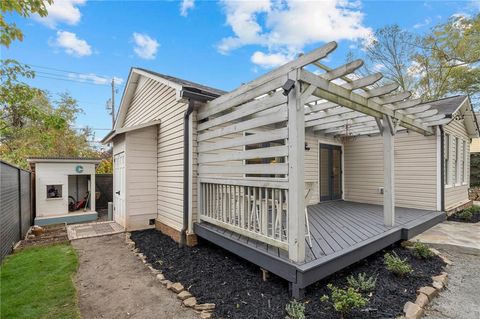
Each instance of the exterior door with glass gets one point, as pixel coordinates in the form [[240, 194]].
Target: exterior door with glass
[[330, 169]]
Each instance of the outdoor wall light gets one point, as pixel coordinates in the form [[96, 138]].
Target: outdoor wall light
[[288, 86], [307, 148]]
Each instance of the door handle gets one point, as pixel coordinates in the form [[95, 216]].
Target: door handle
[[118, 192]]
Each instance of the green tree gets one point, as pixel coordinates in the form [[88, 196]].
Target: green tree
[[445, 61], [50, 134], [9, 31]]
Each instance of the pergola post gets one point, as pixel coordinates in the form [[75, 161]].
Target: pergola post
[[388, 133], [296, 181]]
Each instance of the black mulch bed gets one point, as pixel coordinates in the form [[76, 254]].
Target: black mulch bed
[[212, 274], [455, 218]]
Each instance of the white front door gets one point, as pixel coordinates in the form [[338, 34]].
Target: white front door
[[119, 188]]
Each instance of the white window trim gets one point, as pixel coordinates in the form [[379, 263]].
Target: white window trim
[[54, 198], [448, 161], [457, 162], [465, 162]]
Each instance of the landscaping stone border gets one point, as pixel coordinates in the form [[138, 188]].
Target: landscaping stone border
[[425, 295], [188, 300]]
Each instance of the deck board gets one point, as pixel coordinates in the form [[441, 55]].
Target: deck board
[[342, 233]]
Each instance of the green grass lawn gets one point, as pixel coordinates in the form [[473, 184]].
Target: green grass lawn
[[37, 283]]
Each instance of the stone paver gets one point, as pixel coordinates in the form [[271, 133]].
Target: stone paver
[[96, 229], [452, 233]]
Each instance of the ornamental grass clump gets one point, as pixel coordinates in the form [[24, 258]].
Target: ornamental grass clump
[[295, 310], [344, 301], [421, 251], [397, 265], [362, 282]]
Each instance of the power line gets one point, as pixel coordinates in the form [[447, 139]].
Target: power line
[[66, 71], [67, 79], [74, 80], [103, 77]]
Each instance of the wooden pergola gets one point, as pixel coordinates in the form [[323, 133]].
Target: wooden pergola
[[282, 105]]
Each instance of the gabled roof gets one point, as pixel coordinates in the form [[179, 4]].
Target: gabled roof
[[184, 89], [450, 106], [187, 84]]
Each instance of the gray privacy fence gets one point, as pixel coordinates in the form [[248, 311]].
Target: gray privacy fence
[[104, 185], [15, 206]]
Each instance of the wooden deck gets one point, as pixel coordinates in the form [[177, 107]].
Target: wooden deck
[[342, 233]]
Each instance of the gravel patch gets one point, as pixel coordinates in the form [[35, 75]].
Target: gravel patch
[[460, 299]]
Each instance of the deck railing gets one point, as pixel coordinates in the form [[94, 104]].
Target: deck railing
[[256, 212]]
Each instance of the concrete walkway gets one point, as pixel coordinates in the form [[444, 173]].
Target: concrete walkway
[[452, 233], [113, 283]]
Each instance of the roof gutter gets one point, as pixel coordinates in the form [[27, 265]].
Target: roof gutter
[[192, 96], [442, 168]]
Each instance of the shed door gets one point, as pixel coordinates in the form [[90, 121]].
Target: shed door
[[119, 188]]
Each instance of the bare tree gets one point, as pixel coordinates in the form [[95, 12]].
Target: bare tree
[[390, 52]]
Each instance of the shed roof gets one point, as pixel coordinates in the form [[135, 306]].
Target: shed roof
[[56, 159]]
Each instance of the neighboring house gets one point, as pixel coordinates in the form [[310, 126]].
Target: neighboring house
[[475, 144], [232, 167]]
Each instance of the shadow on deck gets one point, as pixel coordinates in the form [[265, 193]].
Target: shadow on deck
[[342, 234]]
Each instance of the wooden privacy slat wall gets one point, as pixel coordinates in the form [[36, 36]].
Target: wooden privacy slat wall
[[279, 115], [249, 198], [272, 135]]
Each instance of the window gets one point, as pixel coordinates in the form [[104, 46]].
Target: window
[[456, 167], [446, 156], [54, 191], [465, 162], [453, 157]]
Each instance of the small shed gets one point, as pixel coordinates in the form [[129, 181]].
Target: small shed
[[64, 189]]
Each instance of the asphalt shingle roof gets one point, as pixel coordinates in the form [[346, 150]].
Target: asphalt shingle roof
[[447, 105], [187, 84]]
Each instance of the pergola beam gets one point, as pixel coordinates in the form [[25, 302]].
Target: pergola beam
[[355, 120], [341, 71], [239, 95], [332, 119], [337, 94], [319, 107]]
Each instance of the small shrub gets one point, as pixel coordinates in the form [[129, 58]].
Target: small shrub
[[466, 214], [362, 282], [295, 310], [345, 300], [421, 251], [396, 265]]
